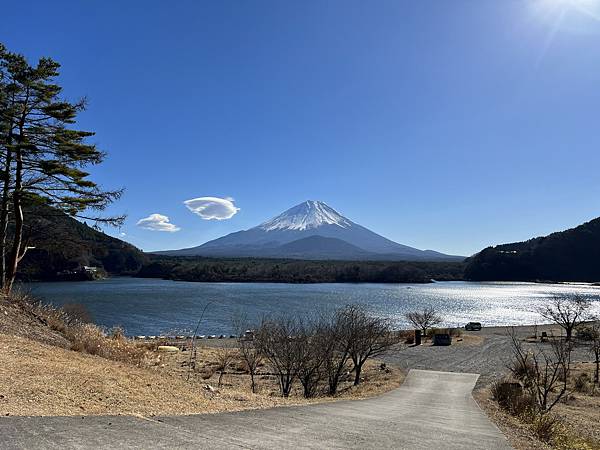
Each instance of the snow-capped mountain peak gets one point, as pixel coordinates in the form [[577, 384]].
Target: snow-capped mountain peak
[[310, 230], [305, 216]]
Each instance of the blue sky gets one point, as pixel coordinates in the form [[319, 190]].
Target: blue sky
[[449, 125]]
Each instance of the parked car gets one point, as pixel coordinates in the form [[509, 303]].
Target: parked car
[[473, 326]]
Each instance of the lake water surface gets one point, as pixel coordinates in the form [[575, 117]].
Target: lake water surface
[[152, 306]]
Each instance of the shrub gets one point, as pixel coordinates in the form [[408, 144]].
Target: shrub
[[76, 313], [512, 398], [545, 427], [117, 333], [583, 383], [553, 431], [91, 339], [586, 333], [522, 369], [207, 373], [455, 332]]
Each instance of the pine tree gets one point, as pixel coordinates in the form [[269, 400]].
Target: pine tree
[[43, 157]]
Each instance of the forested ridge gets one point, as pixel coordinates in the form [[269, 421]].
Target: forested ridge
[[571, 255], [61, 243], [298, 271]]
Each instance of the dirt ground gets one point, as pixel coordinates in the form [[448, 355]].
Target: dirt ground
[[40, 379], [486, 352]]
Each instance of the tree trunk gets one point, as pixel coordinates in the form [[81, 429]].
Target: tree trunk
[[252, 382], [4, 205], [4, 209], [333, 384], [569, 331], [285, 386], [357, 372], [16, 253]]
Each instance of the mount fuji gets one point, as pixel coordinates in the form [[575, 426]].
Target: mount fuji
[[311, 230]]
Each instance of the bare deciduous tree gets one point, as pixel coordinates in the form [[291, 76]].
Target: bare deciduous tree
[[225, 356], [276, 340], [251, 356], [544, 374], [595, 349], [567, 312], [367, 337], [424, 319], [249, 352], [312, 351], [311, 342], [336, 350]]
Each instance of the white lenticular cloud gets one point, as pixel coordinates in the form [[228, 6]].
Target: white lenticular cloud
[[157, 222], [212, 208]]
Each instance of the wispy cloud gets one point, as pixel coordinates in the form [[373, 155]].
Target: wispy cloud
[[212, 208], [157, 222]]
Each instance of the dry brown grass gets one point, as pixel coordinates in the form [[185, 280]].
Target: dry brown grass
[[39, 379], [110, 374], [572, 424], [23, 316], [377, 380], [520, 436], [89, 338], [19, 316]]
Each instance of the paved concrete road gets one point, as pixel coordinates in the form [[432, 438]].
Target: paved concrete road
[[430, 410]]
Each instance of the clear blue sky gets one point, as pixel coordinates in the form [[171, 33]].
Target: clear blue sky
[[449, 125]]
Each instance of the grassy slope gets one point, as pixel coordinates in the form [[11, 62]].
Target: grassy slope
[[42, 376]]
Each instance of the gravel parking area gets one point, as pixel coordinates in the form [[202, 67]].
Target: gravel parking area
[[487, 356]]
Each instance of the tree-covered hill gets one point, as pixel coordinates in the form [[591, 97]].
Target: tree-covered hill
[[65, 244], [571, 255], [298, 271]]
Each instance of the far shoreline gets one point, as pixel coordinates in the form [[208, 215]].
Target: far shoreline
[[432, 281]]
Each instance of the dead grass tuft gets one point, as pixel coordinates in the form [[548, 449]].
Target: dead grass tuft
[[91, 339]]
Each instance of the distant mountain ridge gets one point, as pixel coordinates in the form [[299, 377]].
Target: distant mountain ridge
[[317, 231], [570, 255]]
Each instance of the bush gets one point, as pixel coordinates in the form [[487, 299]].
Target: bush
[[117, 333], [586, 334], [76, 313], [512, 398], [546, 427], [583, 383], [553, 431], [455, 332], [91, 339], [522, 370]]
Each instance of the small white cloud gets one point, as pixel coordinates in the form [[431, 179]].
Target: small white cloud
[[157, 222], [210, 208], [122, 234]]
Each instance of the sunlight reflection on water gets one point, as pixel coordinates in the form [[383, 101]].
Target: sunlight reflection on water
[[148, 306]]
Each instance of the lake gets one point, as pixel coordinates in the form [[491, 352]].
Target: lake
[[153, 306]]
